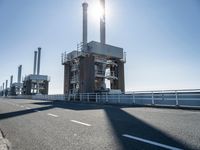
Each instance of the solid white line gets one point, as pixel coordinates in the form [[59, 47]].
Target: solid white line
[[80, 123], [151, 142], [52, 115]]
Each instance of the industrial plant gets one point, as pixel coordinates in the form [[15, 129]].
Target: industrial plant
[[36, 83], [95, 66], [31, 84]]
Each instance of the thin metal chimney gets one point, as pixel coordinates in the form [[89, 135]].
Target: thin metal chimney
[[19, 74], [3, 89], [6, 84], [11, 80], [35, 62], [103, 23], [39, 55], [85, 7]]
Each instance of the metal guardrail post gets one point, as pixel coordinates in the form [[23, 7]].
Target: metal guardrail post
[[96, 98], [106, 97], [88, 98], [69, 97], [118, 98], [176, 93], [152, 99], [80, 97], [134, 98]]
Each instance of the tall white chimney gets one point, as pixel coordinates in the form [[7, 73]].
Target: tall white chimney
[[103, 24], [19, 74], [35, 62], [6, 84], [38, 64], [11, 80], [3, 89], [85, 28]]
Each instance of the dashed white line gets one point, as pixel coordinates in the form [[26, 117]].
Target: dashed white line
[[22, 106], [28, 108], [151, 142], [81, 123], [52, 115]]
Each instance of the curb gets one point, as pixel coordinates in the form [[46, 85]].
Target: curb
[[4, 143]]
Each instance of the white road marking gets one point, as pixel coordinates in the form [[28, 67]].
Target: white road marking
[[22, 106], [151, 142], [28, 108], [80, 123], [52, 115]]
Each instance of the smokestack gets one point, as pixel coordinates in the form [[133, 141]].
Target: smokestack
[[6, 84], [35, 62], [103, 24], [19, 74], [85, 7], [39, 55], [11, 80]]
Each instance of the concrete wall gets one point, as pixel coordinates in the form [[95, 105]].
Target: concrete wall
[[87, 74], [66, 77]]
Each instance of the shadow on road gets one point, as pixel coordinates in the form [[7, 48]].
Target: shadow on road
[[121, 122], [23, 112]]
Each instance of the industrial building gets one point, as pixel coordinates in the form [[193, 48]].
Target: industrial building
[[4, 90], [1, 91], [94, 64], [16, 87], [36, 83]]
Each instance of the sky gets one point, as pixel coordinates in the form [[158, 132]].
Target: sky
[[161, 39]]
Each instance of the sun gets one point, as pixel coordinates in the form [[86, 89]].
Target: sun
[[95, 9]]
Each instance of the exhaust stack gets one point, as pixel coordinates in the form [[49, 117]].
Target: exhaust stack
[[11, 80], [103, 24], [19, 74], [35, 62], [38, 63], [85, 20], [6, 84]]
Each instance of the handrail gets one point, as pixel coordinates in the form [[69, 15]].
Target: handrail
[[162, 91], [174, 98]]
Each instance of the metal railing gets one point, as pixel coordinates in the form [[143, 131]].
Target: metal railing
[[188, 98], [111, 74], [99, 73]]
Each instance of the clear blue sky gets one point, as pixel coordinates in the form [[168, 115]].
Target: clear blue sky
[[161, 38]]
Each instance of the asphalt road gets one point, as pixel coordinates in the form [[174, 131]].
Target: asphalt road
[[45, 125]]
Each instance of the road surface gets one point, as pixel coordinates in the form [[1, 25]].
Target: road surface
[[46, 125]]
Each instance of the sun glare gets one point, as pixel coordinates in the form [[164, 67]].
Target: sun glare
[[95, 10]]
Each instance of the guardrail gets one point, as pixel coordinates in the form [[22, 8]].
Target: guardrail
[[188, 98]]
